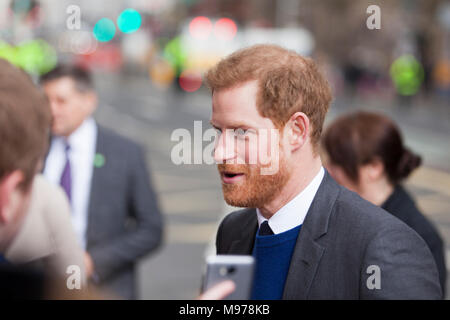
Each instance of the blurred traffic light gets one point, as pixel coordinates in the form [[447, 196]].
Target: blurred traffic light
[[200, 28], [225, 29], [129, 21], [190, 80], [407, 74], [23, 6], [104, 30]]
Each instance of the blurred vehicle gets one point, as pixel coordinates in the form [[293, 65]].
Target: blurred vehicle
[[203, 41]]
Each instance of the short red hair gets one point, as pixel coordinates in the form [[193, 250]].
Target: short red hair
[[288, 83]]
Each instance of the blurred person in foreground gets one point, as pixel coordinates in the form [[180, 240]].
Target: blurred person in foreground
[[24, 129], [366, 154], [114, 207], [311, 238], [46, 238]]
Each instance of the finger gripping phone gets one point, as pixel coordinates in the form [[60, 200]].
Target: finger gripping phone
[[237, 268]]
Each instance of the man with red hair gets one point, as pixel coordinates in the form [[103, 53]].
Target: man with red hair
[[311, 238]]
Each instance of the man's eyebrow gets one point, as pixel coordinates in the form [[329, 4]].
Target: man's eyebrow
[[232, 125]]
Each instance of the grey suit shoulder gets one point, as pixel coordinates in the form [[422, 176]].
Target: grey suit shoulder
[[117, 142]]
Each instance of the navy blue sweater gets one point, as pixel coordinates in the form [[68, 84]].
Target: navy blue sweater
[[273, 257]]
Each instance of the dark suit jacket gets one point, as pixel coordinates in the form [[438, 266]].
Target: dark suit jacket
[[401, 205], [342, 236], [124, 220]]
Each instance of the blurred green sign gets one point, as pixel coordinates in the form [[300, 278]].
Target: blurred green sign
[[35, 56]]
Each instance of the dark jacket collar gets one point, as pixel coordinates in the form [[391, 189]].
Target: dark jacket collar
[[396, 199], [244, 245]]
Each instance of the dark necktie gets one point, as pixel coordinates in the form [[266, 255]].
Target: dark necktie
[[264, 229], [66, 177]]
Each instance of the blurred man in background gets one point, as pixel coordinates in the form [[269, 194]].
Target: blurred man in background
[[114, 207], [24, 121]]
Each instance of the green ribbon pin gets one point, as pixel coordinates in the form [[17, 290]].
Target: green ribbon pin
[[99, 160]]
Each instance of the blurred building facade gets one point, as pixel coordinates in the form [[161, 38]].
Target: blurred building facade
[[337, 30]]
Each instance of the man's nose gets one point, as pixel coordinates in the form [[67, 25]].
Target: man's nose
[[225, 149]]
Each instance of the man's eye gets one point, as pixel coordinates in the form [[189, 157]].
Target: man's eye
[[239, 132], [243, 133]]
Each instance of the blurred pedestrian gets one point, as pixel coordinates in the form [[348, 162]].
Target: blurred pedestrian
[[47, 238], [366, 154], [114, 207]]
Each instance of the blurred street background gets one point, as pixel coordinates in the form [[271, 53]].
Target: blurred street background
[[148, 58]]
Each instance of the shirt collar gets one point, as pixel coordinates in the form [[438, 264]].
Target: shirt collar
[[294, 212], [77, 140]]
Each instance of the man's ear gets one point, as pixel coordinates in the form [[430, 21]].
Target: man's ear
[[8, 185], [297, 130]]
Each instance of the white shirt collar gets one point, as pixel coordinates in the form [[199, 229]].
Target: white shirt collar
[[77, 140], [83, 142], [294, 212]]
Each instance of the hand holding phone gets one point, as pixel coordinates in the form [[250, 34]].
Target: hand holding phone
[[219, 291], [238, 269]]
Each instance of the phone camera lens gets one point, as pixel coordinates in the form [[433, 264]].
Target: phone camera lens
[[231, 270]]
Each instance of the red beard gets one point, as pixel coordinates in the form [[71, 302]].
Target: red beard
[[254, 190]]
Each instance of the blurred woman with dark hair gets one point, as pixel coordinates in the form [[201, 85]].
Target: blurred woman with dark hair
[[366, 154]]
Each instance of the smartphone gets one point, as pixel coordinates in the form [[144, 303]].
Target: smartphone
[[237, 268]]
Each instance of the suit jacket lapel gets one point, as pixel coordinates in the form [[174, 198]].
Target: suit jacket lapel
[[308, 252], [244, 245], [94, 205]]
